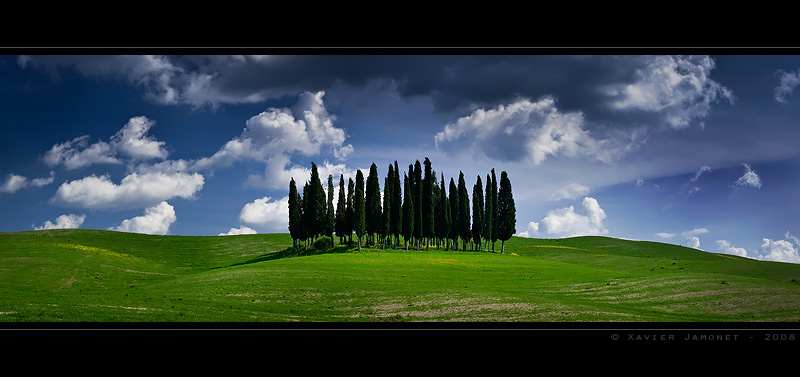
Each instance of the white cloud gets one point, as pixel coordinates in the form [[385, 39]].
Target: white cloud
[[565, 222], [155, 220], [528, 131], [779, 251], [692, 237], [725, 247], [694, 189], [240, 230], [132, 141], [16, 182], [533, 228], [266, 214], [569, 191], [134, 191], [750, 178], [69, 221], [306, 128], [678, 87], [271, 136], [788, 81], [665, 236]]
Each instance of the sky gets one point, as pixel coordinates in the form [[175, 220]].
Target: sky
[[699, 151]]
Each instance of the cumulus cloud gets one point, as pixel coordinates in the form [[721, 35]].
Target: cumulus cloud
[[131, 141], [15, 182], [528, 131], [565, 222], [271, 136], [533, 228], [134, 191], [680, 88], [749, 179], [155, 220], [692, 238], [569, 191], [788, 81], [69, 221], [267, 214], [779, 251], [240, 230], [725, 247]]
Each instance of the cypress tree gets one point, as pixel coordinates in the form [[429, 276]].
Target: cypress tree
[[396, 219], [494, 209], [417, 192], [487, 214], [507, 213], [316, 202], [329, 212], [408, 211], [427, 203], [305, 215], [443, 214], [386, 215], [359, 208], [341, 210], [463, 211], [295, 220], [373, 203], [350, 216], [454, 219], [477, 213]]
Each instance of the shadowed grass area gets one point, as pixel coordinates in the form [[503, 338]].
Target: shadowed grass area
[[80, 275]]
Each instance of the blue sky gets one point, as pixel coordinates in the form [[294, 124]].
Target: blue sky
[[699, 150]]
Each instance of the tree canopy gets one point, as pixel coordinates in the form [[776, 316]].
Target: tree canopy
[[420, 209]]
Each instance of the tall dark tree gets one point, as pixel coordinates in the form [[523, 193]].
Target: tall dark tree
[[477, 213], [408, 212], [350, 214], [417, 191], [359, 210], [341, 211], [427, 203], [396, 216], [316, 204], [463, 211], [329, 211], [305, 214], [506, 212], [487, 214], [373, 203], [386, 214], [295, 213], [455, 221], [494, 209], [443, 214]]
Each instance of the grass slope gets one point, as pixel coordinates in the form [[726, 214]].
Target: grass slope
[[80, 275]]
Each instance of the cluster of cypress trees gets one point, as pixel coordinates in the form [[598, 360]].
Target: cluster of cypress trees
[[421, 210]]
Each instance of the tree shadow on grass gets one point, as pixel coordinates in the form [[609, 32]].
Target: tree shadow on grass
[[291, 252]]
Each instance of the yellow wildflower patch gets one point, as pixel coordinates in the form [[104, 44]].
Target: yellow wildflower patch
[[97, 251]]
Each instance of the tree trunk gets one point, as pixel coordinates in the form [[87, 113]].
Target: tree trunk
[[503, 247]]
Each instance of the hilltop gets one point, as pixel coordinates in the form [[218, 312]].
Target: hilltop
[[83, 275]]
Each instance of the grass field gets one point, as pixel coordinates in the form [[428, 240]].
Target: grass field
[[81, 275]]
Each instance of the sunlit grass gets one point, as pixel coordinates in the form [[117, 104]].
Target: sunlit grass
[[102, 276]]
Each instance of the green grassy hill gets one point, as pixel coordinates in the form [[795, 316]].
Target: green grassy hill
[[80, 275]]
